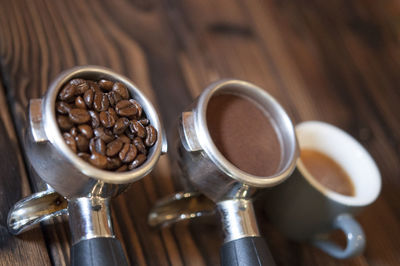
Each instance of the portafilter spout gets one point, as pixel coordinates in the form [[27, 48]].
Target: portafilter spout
[[75, 187]]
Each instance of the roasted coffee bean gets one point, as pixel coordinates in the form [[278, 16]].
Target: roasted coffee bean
[[144, 122], [64, 123], [85, 156], [104, 134], [126, 108], [86, 130], [120, 126], [151, 136], [138, 107], [113, 163], [73, 131], [88, 97], [82, 143], [138, 142], [139, 160], [81, 86], [106, 85], [97, 145], [127, 153], [137, 129], [63, 107], [129, 134], [114, 98], [114, 147], [121, 89], [79, 116], [80, 103], [70, 141], [106, 119], [67, 93], [123, 168], [100, 101], [95, 119], [98, 160], [94, 86]]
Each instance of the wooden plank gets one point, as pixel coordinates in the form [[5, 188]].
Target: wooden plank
[[29, 248]]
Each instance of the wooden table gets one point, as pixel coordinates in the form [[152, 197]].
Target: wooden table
[[335, 61]]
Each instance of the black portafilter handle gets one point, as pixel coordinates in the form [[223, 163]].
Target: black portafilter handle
[[247, 251], [93, 239], [243, 244], [101, 251]]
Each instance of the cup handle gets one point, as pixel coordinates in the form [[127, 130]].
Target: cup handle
[[354, 234]]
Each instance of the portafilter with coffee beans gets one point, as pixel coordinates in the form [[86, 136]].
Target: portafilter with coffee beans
[[213, 178], [89, 137]]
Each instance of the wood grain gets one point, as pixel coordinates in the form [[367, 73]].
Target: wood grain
[[336, 61]]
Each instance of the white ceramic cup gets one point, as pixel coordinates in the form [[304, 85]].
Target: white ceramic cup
[[305, 210]]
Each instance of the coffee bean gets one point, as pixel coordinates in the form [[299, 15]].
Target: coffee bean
[[137, 129], [104, 134], [84, 156], [106, 85], [144, 122], [139, 160], [88, 97], [127, 153], [123, 168], [98, 160], [79, 116], [82, 143], [126, 108], [106, 119], [114, 98], [100, 101], [138, 142], [114, 147], [67, 93], [124, 138], [138, 107], [120, 126], [81, 86], [80, 103], [111, 128], [73, 131], [151, 136], [121, 89], [70, 141], [113, 163], [95, 119], [97, 145], [86, 130], [63, 107], [64, 123]]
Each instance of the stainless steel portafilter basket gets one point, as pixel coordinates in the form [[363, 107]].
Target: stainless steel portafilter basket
[[210, 180], [75, 187]]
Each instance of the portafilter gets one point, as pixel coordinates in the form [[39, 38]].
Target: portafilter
[[212, 182], [75, 187]]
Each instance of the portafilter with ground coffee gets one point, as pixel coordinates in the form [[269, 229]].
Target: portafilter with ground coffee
[[234, 139]]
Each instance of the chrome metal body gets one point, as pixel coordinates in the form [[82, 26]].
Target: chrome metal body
[[238, 219], [75, 187], [205, 170], [57, 165], [89, 218]]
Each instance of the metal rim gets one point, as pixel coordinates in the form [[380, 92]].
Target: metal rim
[[55, 137], [257, 94]]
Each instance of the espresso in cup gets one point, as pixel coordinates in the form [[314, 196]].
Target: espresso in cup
[[244, 134], [327, 172]]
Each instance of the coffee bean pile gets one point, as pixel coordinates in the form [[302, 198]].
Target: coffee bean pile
[[104, 125]]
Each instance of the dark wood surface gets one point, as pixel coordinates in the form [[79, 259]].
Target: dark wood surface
[[335, 61]]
